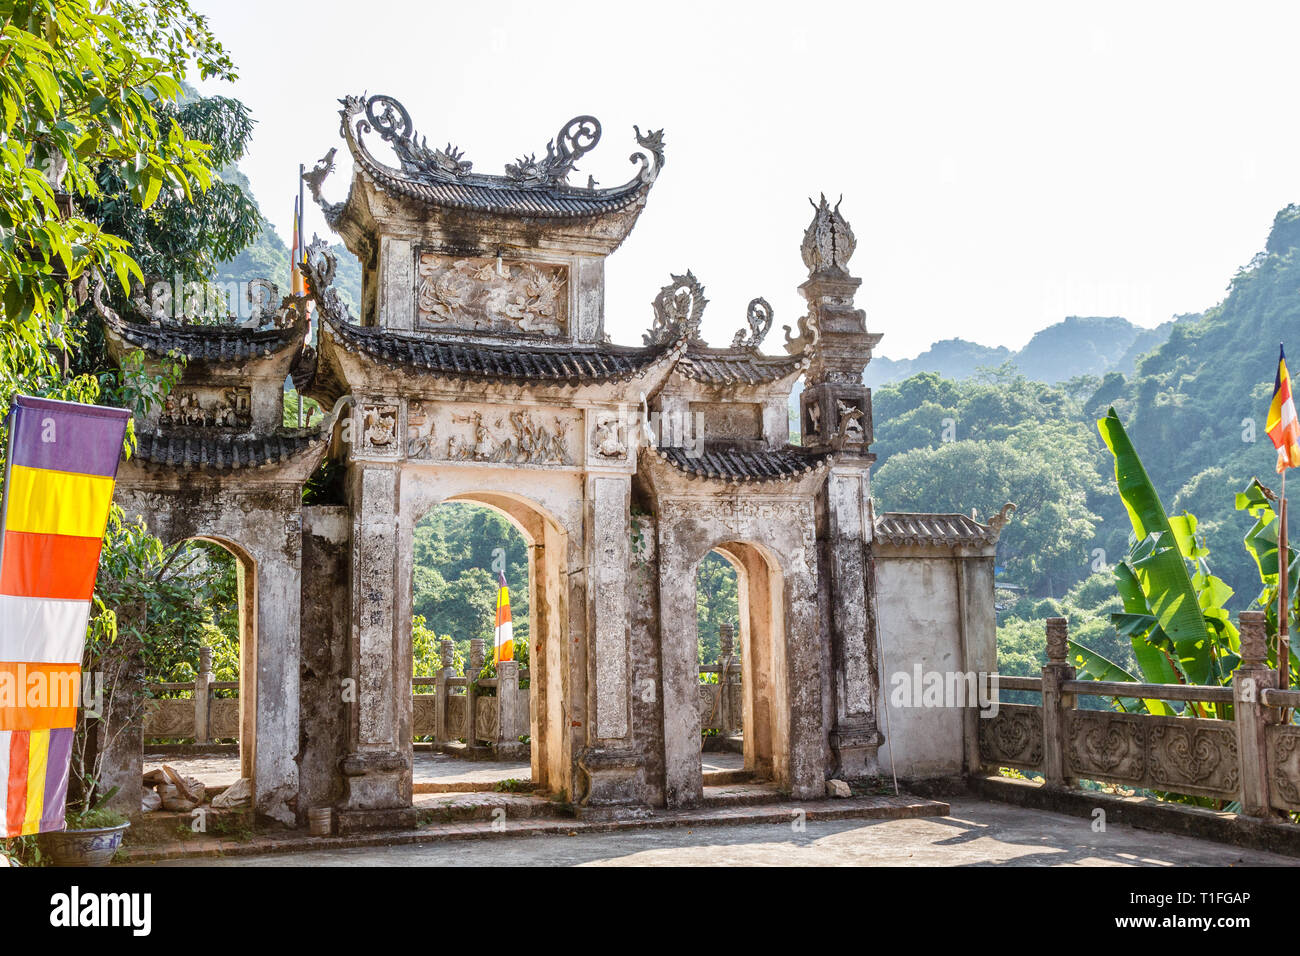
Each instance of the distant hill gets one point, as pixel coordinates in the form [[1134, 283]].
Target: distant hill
[[1079, 345], [268, 257]]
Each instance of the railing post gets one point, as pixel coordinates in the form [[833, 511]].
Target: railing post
[[202, 694], [510, 712], [1251, 715], [473, 667], [1056, 703], [726, 637], [442, 692]]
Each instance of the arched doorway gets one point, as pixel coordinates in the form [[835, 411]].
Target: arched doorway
[[539, 603], [760, 641], [203, 674]]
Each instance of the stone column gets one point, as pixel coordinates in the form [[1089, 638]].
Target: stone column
[[726, 650], [442, 692], [1252, 717], [512, 712], [1056, 703], [378, 767], [473, 667], [202, 692], [854, 739], [610, 763]]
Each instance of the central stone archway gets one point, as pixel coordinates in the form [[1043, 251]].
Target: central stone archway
[[548, 606]]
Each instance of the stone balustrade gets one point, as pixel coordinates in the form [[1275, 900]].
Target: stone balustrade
[[1252, 758]]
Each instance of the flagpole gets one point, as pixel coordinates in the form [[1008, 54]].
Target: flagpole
[[1283, 605], [297, 259]]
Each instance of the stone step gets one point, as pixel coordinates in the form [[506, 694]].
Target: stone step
[[723, 778], [742, 795], [470, 786], [166, 826], [471, 805]]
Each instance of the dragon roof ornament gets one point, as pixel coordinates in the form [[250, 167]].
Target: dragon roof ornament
[[424, 166], [759, 317], [678, 309]]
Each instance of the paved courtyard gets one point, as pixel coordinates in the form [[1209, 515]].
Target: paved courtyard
[[975, 833]]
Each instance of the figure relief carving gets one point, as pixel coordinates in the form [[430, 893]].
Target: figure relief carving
[[379, 428], [208, 406], [518, 438], [491, 295], [419, 431], [607, 438], [850, 416]]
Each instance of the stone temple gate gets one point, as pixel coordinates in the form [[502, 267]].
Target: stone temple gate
[[479, 370]]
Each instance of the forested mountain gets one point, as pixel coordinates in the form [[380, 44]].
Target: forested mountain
[[1079, 345], [1194, 405]]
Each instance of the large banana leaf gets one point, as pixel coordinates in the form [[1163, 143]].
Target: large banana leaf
[[1089, 665], [1151, 646], [1160, 569]]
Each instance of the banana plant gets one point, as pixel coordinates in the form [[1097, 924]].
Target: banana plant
[[1173, 605], [1262, 543]]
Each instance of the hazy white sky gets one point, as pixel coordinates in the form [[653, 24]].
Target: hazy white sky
[[1003, 165]]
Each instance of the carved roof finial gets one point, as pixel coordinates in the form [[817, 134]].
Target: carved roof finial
[[679, 306], [828, 243], [759, 318]]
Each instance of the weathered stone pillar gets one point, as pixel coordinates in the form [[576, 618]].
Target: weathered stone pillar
[[1056, 703], [726, 657], [442, 691], [473, 667], [854, 738], [1252, 717], [378, 767], [610, 763], [512, 712], [202, 694]]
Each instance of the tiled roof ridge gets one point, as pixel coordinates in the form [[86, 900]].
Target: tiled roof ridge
[[737, 466], [939, 528], [194, 450]]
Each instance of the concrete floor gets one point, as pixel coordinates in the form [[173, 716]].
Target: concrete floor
[[221, 770], [976, 833]]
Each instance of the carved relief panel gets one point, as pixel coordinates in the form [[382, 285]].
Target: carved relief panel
[[377, 429], [729, 420], [437, 431], [202, 405], [491, 295]]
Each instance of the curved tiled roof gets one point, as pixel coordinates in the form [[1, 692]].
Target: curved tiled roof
[[213, 451], [915, 528], [724, 367], [733, 465], [207, 343], [492, 194], [457, 358]]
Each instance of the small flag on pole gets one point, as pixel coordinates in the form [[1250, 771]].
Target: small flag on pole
[[1282, 426], [297, 286], [505, 643], [59, 479]]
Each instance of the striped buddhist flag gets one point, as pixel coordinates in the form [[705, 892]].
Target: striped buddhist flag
[[505, 643], [59, 479], [1282, 426]]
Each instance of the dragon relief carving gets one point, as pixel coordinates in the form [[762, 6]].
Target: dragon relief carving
[[759, 318], [486, 294], [678, 309], [389, 118], [577, 138]]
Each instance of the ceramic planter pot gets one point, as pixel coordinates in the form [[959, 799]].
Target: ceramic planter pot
[[84, 847]]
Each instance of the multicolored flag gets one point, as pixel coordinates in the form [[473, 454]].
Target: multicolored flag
[[59, 479], [505, 643], [1282, 426]]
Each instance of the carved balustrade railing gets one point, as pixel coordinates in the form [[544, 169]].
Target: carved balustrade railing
[[441, 706], [202, 716], [492, 711], [1252, 758]]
